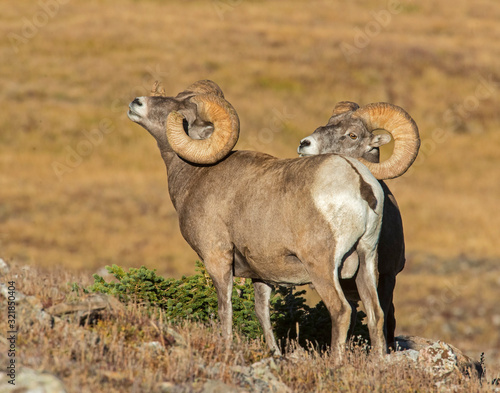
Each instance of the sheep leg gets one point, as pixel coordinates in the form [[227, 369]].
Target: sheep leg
[[219, 267], [390, 321], [262, 304], [327, 284], [386, 285], [366, 282]]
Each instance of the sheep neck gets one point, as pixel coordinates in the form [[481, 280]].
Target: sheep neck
[[179, 174]]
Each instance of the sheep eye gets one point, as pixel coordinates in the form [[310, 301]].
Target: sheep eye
[[353, 136]]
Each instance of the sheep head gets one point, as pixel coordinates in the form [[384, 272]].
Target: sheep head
[[350, 132], [198, 124]]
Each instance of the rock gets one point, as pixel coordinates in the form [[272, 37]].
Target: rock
[[440, 358], [28, 309], [167, 387], [259, 377], [4, 291], [28, 380], [87, 308], [4, 268], [170, 387], [154, 347], [210, 386], [213, 386], [255, 378], [436, 357], [251, 379]]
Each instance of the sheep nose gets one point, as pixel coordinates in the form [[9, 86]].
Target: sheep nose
[[305, 142], [137, 102]]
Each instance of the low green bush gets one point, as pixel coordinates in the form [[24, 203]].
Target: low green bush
[[194, 297]]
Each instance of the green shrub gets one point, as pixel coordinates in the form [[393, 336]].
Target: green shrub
[[191, 297], [194, 297]]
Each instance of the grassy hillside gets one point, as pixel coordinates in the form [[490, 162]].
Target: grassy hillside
[[82, 187], [132, 348]]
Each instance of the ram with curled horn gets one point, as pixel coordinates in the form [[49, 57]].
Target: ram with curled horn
[[275, 221], [350, 132]]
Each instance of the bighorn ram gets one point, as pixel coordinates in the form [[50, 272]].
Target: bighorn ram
[[277, 221], [349, 132]]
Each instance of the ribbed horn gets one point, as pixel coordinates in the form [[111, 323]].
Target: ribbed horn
[[201, 87], [404, 131], [211, 108]]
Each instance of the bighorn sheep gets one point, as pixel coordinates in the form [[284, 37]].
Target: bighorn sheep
[[349, 132], [248, 214]]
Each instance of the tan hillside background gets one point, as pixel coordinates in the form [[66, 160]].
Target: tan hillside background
[[82, 187]]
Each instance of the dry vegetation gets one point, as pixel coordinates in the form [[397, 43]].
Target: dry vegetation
[[281, 66], [131, 350]]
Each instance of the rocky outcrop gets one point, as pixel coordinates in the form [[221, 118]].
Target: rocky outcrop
[[437, 358], [28, 309], [86, 308]]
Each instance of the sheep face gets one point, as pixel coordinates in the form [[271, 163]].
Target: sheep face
[[346, 136], [152, 112]]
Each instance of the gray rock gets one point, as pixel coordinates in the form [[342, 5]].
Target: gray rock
[[210, 386], [439, 358], [213, 386], [155, 347], [259, 377], [86, 308], [4, 291], [436, 357], [255, 378], [28, 309], [28, 380]]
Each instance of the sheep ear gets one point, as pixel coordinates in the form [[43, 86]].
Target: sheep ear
[[341, 111], [189, 111], [201, 130], [193, 125], [343, 107], [380, 140]]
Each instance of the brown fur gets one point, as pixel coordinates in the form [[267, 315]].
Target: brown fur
[[253, 215], [391, 250]]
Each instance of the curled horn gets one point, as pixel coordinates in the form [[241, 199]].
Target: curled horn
[[201, 87], [211, 108], [404, 131]]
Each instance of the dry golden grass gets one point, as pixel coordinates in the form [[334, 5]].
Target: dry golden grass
[[281, 66], [115, 354]]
